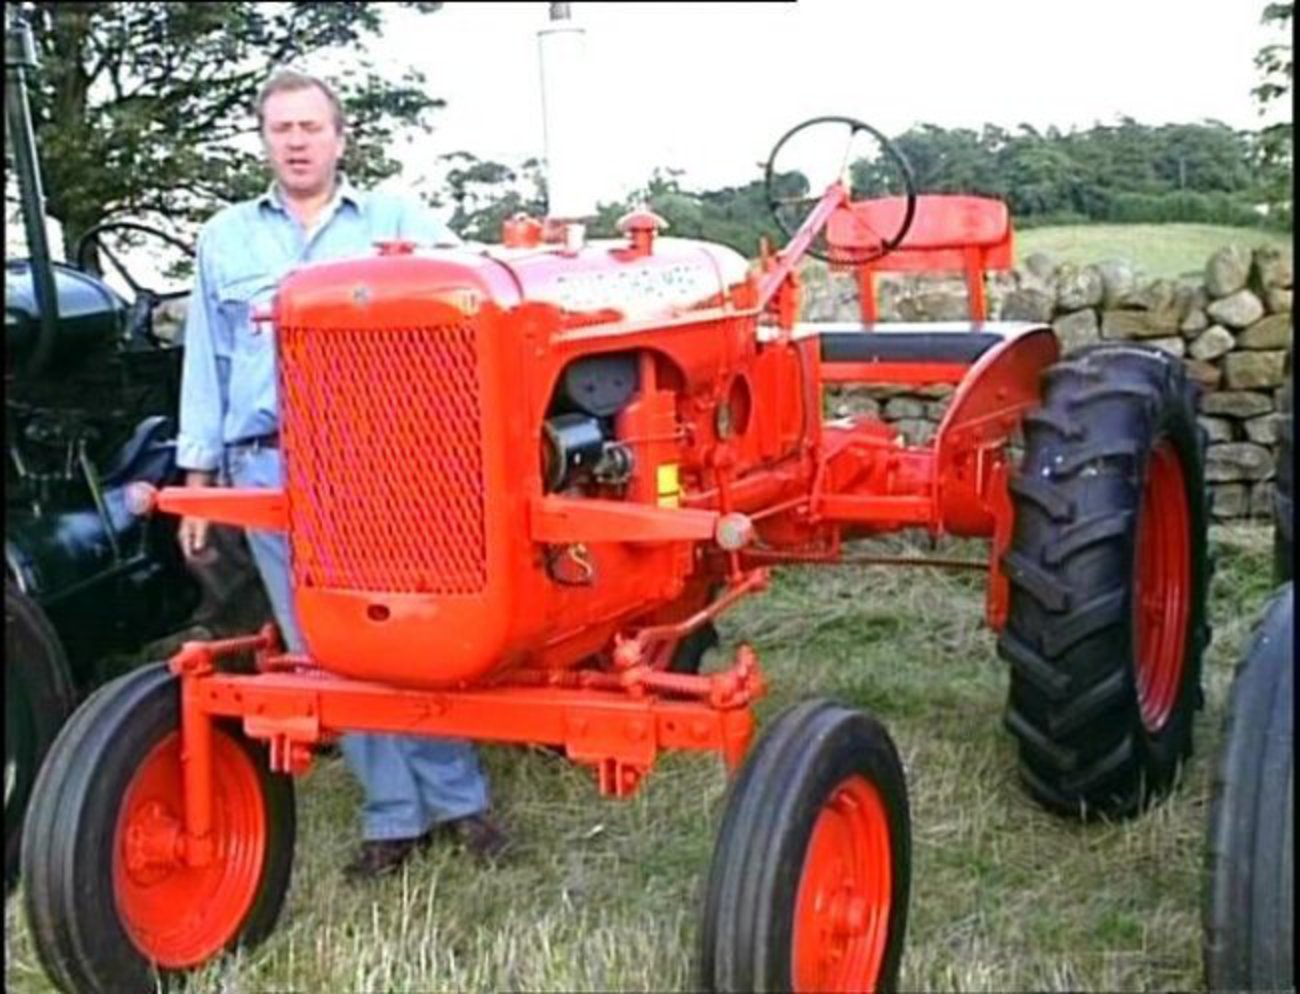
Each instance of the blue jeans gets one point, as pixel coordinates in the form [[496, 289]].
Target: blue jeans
[[410, 783]]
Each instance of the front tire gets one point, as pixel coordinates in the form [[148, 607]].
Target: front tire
[[1249, 923], [1284, 486], [811, 870], [1109, 575], [39, 696], [110, 902]]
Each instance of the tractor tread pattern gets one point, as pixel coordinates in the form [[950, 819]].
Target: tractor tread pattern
[[1057, 421], [1049, 498], [1069, 637], [1031, 666], [1086, 620], [1048, 589], [1091, 531]]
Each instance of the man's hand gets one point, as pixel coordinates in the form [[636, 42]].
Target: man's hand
[[193, 532]]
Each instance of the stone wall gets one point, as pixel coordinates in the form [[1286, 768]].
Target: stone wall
[[1232, 327]]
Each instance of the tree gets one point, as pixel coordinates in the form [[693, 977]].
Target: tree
[[145, 109], [486, 193], [1276, 63]]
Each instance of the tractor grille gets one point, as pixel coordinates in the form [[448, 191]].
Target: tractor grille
[[384, 461]]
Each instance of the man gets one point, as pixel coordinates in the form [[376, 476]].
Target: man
[[229, 428]]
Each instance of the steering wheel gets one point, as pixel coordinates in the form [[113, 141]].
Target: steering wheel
[[94, 237], [892, 156], [140, 315]]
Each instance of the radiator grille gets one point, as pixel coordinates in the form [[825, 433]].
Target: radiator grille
[[382, 434]]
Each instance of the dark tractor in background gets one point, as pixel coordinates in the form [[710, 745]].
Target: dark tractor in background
[[90, 399]]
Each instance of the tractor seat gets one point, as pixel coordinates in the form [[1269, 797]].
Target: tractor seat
[[149, 454], [948, 233], [919, 342]]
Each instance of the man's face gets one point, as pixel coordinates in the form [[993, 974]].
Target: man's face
[[302, 143]]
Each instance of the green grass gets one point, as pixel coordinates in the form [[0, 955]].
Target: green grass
[[601, 894], [1158, 250]]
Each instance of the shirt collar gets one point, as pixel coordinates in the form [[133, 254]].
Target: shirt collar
[[343, 191]]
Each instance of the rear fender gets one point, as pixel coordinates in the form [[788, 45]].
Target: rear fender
[[986, 409]]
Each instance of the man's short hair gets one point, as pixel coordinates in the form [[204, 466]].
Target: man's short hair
[[286, 80]]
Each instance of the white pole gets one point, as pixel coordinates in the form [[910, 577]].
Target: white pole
[[565, 108]]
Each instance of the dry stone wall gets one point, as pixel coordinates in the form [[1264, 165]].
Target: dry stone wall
[[1232, 328]]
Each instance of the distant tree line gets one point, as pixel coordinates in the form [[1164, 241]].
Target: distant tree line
[[1124, 172]]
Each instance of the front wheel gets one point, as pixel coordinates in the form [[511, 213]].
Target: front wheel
[[110, 900], [811, 871], [1109, 575], [1249, 914], [39, 695], [1284, 486]]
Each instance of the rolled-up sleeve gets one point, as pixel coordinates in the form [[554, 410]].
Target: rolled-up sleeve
[[204, 372]]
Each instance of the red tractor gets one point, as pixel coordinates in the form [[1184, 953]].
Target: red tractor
[[522, 481]]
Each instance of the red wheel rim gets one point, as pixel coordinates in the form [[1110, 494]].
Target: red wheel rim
[[1163, 587], [842, 910], [180, 915]]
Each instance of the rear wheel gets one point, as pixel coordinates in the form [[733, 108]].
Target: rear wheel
[[1284, 487], [811, 870], [110, 900], [1108, 573], [1249, 911], [39, 696]]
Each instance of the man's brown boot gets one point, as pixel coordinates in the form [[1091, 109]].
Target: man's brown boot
[[480, 834], [378, 857]]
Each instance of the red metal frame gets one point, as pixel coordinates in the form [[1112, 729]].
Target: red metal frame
[[443, 591], [970, 235]]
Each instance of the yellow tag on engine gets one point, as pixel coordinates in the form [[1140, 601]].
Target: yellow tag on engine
[[669, 485]]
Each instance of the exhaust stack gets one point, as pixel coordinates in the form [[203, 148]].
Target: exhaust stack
[[563, 56], [20, 60]]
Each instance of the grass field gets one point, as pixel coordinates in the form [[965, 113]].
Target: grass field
[[601, 895], [1159, 250]]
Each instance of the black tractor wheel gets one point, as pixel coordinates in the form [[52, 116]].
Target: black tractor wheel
[[811, 870], [1108, 574], [1249, 921], [688, 654], [110, 900], [39, 696], [1284, 486]]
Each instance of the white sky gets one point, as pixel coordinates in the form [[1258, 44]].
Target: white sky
[[710, 87]]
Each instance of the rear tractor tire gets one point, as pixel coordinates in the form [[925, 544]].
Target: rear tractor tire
[[111, 904], [811, 870], [1109, 574], [39, 696]]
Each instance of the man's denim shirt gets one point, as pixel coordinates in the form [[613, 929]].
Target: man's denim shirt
[[228, 388]]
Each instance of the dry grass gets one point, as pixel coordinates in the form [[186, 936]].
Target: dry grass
[[601, 894]]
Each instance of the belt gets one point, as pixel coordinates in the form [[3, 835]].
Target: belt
[[271, 440]]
